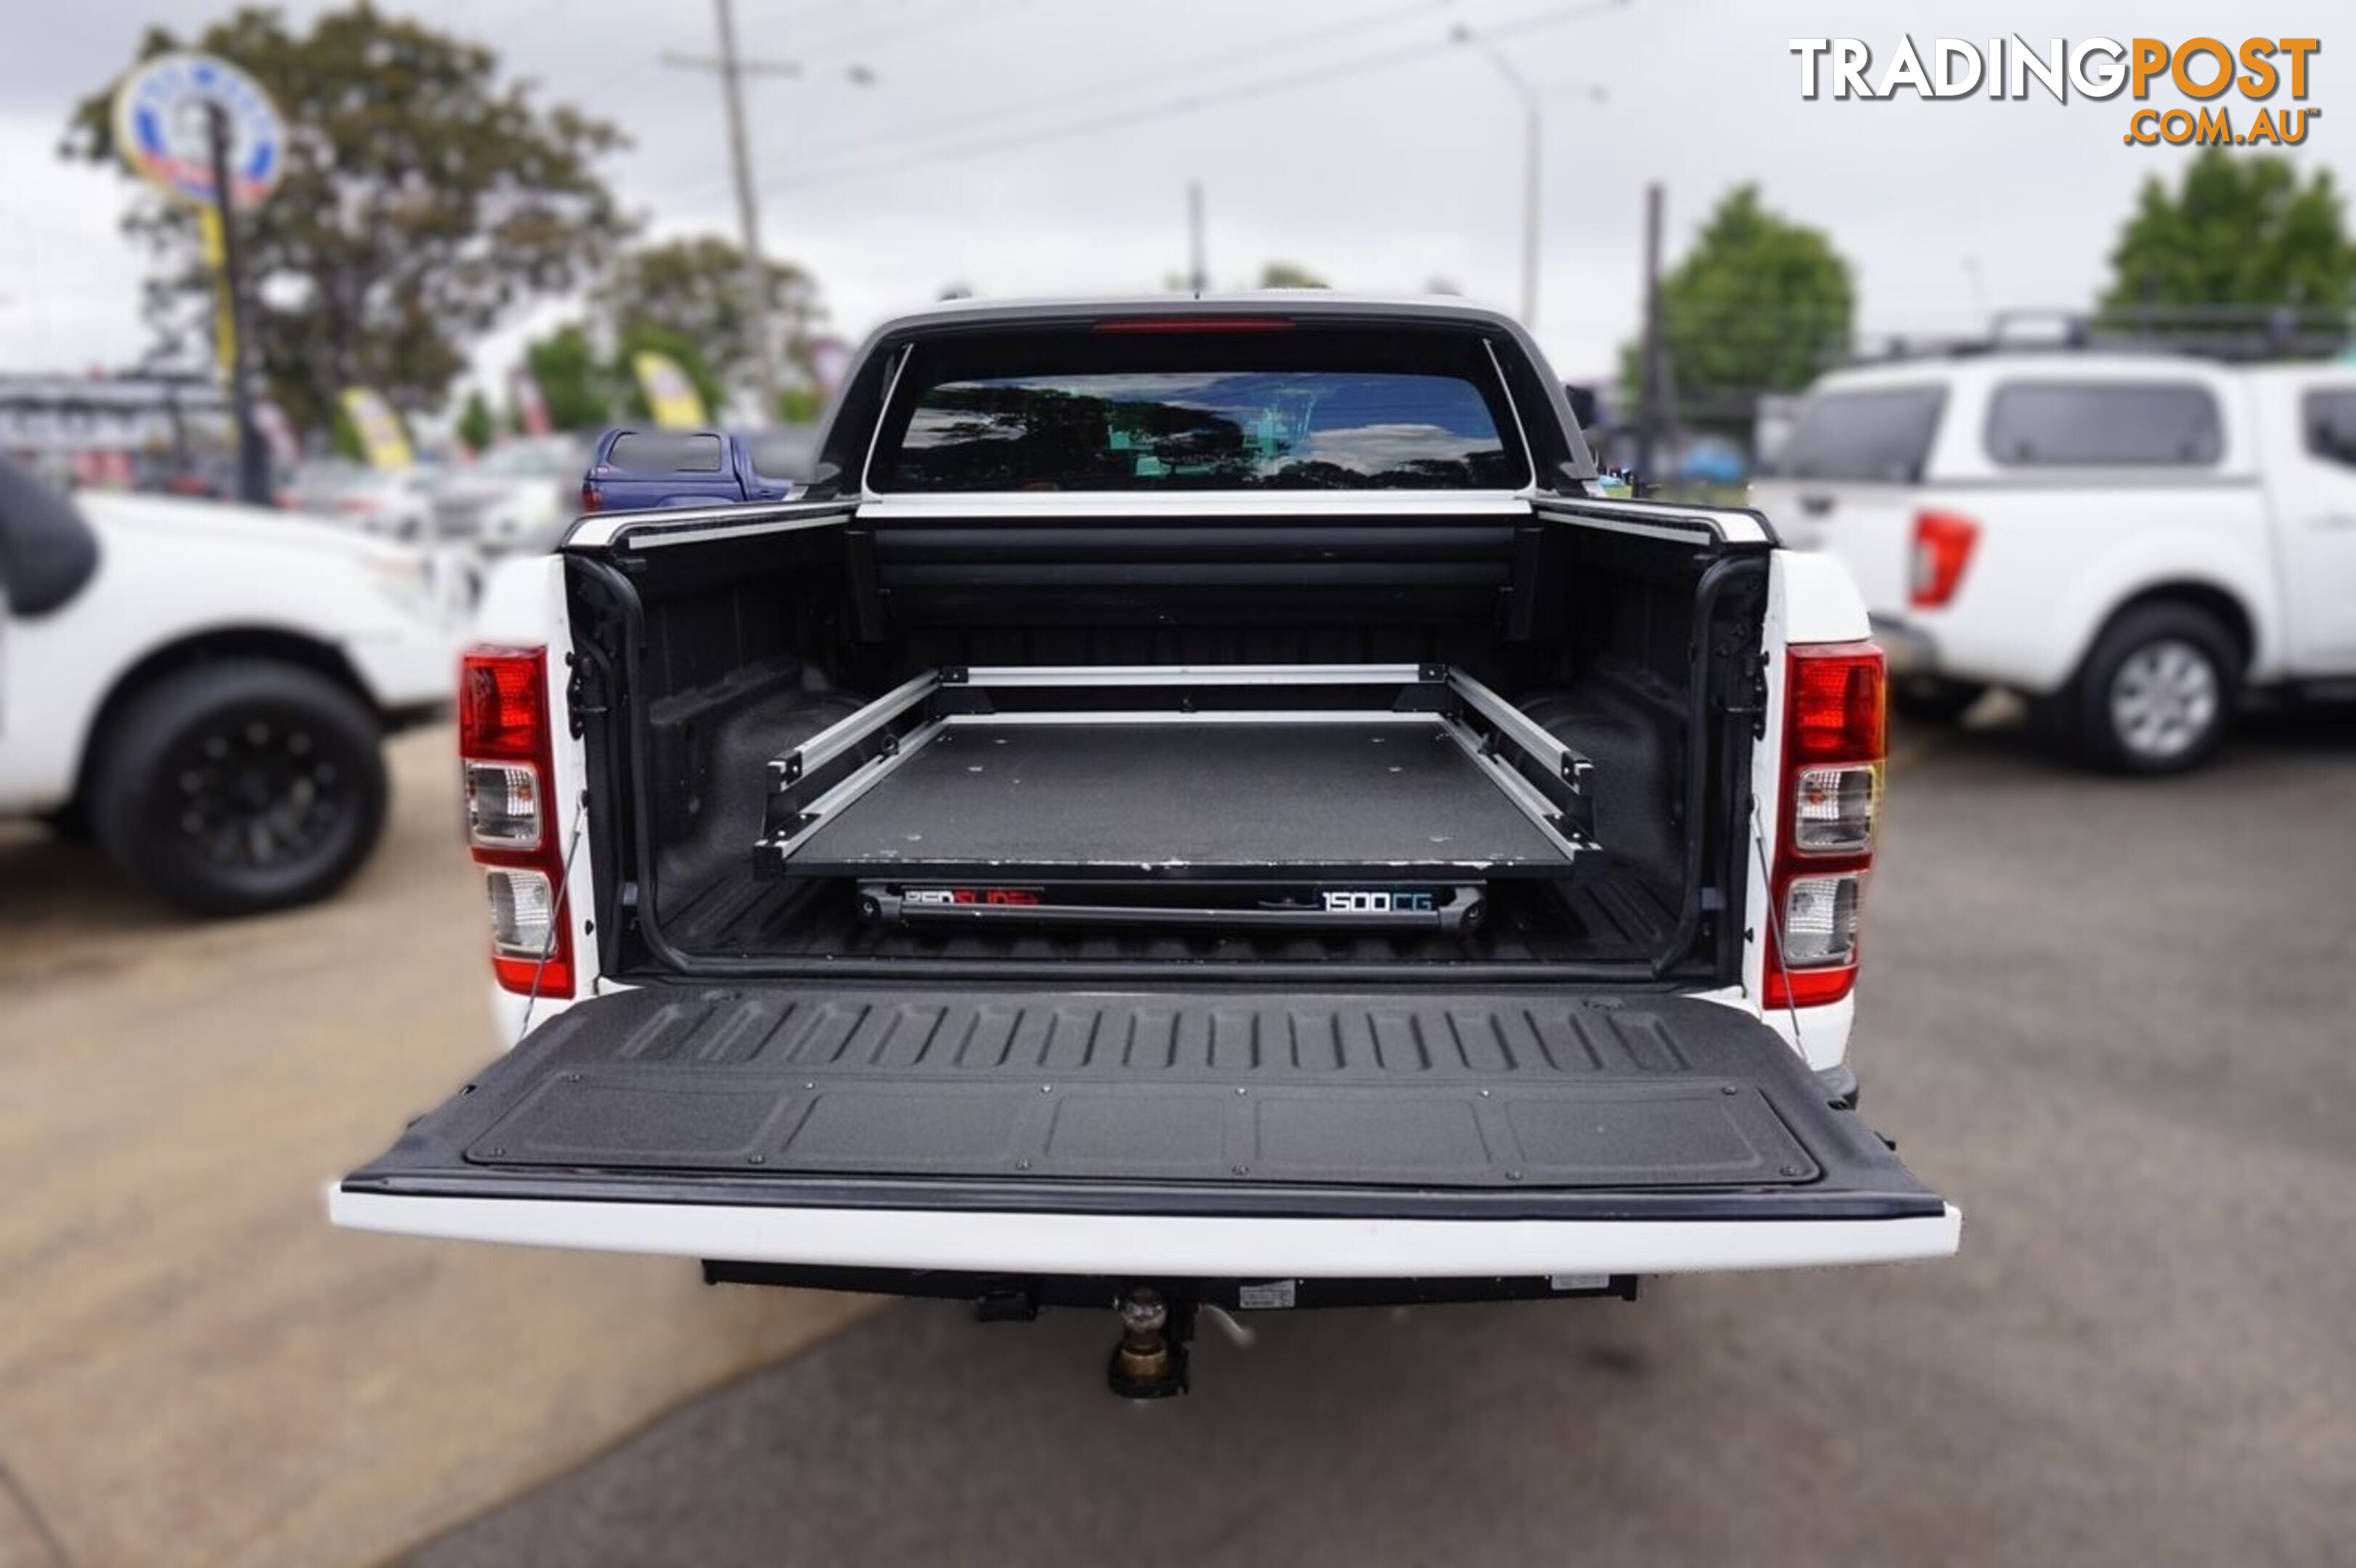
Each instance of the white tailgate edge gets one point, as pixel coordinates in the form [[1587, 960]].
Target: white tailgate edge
[[1154, 1244]]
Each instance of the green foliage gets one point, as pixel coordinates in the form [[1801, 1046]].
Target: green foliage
[[1759, 305], [800, 405], [577, 387], [475, 426], [344, 437], [422, 199], [2242, 230], [1289, 275], [691, 290]]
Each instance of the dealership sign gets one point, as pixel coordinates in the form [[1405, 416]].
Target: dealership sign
[[163, 128]]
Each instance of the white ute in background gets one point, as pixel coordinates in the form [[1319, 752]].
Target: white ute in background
[[2130, 540], [203, 688]]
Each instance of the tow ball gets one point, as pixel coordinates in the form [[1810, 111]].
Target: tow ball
[[1149, 1361]]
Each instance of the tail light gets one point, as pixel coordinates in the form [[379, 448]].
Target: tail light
[[589, 497], [1942, 547], [507, 755], [1834, 737]]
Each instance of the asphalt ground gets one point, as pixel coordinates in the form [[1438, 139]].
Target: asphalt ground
[[2115, 1021], [194, 1367]]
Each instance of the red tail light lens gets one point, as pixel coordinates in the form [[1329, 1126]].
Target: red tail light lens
[[506, 756], [503, 703], [1835, 735], [589, 497], [1942, 547], [1837, 712]]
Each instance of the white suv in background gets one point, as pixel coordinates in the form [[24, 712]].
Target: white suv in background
[[2131, 541]]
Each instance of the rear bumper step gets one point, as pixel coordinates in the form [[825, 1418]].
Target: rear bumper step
[[1157, 1245]]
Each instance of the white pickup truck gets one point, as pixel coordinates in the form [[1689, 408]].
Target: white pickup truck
[[2130, 539], [203, 688], [1198, 806]]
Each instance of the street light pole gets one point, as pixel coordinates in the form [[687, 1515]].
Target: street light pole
[[1533, 145]]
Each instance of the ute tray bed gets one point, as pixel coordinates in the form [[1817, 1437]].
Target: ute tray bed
[[1283, 795]]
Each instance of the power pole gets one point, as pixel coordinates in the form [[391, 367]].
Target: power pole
[[748, 215], [1198, 271], [1654, 391], [732, 67]]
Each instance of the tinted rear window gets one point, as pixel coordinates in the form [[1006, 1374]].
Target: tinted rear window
[[2103, 423], [665, 451], [1883, 435], [1142, 411]]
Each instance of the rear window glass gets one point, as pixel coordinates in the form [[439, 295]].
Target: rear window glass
[[1883, 435], [1144, 411], [2330, 420], [665, 451], [2103, 423]]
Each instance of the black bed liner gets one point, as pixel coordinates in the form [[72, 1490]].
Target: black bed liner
[[1535, 1103]]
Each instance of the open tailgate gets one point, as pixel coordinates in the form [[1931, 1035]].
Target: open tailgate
[[1211, 1133]]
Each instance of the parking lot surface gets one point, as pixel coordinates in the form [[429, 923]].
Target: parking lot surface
[[2115, 1021], [194, 1367]]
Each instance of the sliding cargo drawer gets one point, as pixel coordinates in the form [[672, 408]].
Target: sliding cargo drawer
[[1353, 781]]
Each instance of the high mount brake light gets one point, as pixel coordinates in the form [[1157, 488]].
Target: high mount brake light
[[506, 756], [1181, 323], [1835, 738], [1942, 547]]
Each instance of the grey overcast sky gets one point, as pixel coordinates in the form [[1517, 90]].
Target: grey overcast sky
[[1382, 179]]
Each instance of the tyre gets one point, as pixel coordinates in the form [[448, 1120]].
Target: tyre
[[2158, 691], [240, 787], [1927, 700]]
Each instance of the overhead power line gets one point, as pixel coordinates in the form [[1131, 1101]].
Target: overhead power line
[[1318, 75], [1117, 87]]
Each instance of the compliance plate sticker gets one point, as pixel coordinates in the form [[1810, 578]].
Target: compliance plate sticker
[[1266, 1293]]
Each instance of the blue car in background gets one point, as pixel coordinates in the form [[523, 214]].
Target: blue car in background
[[632, 470]]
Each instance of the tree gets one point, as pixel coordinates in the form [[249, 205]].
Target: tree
[[587, 391], [422, 199], [1289, 275], [691, 290], [476, 425], [2242, 230], [577, 386], [1758, 304]]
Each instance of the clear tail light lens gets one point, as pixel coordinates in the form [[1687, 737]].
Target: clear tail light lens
[[503, 806], [1820, 919], [523, 911], [1833, 809]]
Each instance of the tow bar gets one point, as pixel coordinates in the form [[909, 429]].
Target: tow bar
[[1150, 1360]]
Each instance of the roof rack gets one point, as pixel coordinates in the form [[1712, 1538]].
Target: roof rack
[[2233, 334]]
